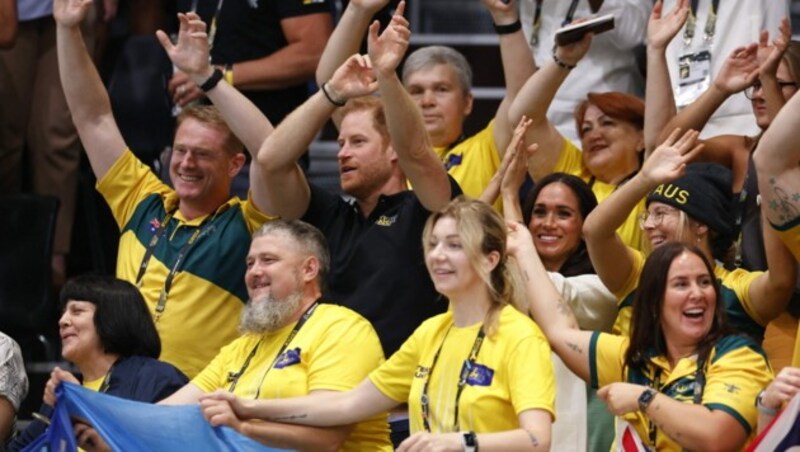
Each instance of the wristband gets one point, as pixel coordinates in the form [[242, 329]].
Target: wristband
[[561, 63], [330, 98], [507, 29], [212, 81], [469, 441], [763, 409]]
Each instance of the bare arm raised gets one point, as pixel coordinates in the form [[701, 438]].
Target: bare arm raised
[[84, 91], [407, 131], [246, 121]]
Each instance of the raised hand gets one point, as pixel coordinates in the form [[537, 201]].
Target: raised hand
[[387, 49], [190, 54], [769, 56], [662, 28], [571, 54], [354, 78], [739, 71], [70, 13], [514, 165], [519, 241], [504, 12], [668, 162]]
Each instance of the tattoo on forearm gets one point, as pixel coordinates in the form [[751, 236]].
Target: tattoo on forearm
[[574, 347], [534, 440], [289, 417]]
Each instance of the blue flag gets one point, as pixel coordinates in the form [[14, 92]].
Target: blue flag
[[128, 425]]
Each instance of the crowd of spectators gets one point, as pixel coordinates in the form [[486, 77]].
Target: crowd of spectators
[[646, 230]]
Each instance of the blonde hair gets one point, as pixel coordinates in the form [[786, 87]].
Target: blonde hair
[[483, 231], [210, 116]]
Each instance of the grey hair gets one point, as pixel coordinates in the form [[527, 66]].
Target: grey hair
[[309, 238], [426, 57]]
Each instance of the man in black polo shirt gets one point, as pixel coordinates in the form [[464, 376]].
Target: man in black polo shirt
[[377, 265]]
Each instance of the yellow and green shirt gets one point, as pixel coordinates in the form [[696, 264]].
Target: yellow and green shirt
[[737, 369], [208, 291]]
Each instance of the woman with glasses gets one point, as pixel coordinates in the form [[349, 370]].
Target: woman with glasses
[[691, 205], [477, 377]]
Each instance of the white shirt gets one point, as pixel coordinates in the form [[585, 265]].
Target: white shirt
[[609, 65], [739, 23]]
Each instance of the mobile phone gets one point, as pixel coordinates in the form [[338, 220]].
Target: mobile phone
[[575, 32]]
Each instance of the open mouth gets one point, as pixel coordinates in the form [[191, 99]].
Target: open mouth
[[189, 178], [694, 313], [544, 238]]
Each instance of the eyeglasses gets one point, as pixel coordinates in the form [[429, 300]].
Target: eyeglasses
[[756, 86], [656, 216]]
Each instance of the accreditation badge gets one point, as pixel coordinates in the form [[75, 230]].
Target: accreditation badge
[[694, 76]]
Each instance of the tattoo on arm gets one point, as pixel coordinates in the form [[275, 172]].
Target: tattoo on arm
[[290, 417], [574, 348], [785, 205], [534, 440]]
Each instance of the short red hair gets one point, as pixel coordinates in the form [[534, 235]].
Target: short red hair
[[620, 106]]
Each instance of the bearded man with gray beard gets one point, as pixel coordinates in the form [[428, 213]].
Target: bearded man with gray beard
[[291, 345]]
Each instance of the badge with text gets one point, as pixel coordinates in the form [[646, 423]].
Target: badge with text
[[694, 76]]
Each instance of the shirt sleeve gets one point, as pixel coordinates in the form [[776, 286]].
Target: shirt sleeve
[[606, 359], [295, 8], [570, 161], [734, 379], [394, 377], [13, 379], [594, 306], [531, 379], [213, 376], [344, 362], [127, 183]]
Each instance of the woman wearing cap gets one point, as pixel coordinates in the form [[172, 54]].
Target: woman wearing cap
[[610, 126], [680, 382], [694, 208]]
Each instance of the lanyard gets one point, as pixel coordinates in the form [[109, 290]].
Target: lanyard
[[212, 30], [462, 379], [697, 388], [691, 23], [205, 228], [233, 378], [537, 19]]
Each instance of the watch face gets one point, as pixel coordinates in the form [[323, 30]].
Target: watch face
[[469, 439], [646, 398]]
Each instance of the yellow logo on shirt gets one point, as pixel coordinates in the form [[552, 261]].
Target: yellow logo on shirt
[[383, 220]]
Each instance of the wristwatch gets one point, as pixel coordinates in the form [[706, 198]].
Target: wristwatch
[[646, 399], [470, 442], [763, 408]]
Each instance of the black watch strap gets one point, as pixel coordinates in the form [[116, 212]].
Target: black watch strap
[[646, 399], [212, 81], [470, 441]]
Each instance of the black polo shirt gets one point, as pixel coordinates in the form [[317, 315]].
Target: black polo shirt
[[377, 263]]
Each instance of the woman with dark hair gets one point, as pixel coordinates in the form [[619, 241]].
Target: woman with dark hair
[[108, 334], [681, 381], [691, 205], [610, 126], [554, 211]]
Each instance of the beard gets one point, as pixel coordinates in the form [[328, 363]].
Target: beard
[[268, 313]]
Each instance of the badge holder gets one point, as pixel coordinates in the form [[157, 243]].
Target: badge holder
[[694, 76]]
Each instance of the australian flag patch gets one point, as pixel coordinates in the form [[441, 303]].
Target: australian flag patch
[[288, 358], [480, 375]]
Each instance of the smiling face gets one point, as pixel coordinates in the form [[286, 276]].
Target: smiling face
[[689, 304], [365, 159], [200, 168], [449, 264], [274, 265], [442, 100], [662, 223], [556, 224], [610, 146], [80, 342]]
